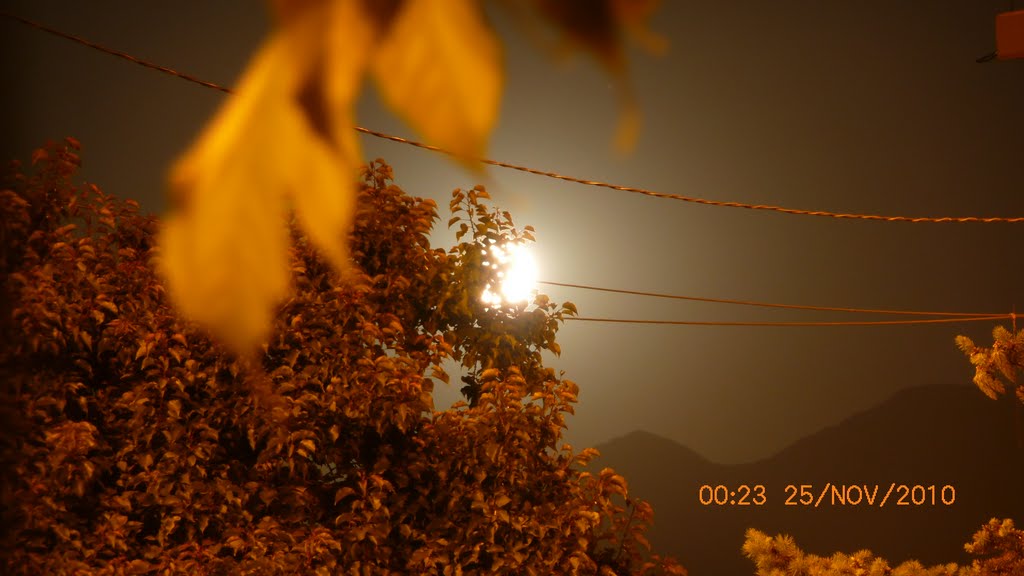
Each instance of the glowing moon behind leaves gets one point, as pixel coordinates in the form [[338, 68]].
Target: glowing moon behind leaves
[[516, 275]]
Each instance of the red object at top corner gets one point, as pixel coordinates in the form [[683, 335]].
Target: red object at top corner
[[1010, 35]]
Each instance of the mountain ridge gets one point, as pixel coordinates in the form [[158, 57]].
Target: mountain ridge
[[950, 441]]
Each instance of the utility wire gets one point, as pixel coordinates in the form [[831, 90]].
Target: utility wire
[[767, 304], [113, 52], [791, 324], [548, 174], [962, 316]]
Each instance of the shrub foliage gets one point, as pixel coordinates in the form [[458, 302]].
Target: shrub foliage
[[997, 369], [998, 545], [135, 445]]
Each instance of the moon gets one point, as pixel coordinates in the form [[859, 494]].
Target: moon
[[516, 274]]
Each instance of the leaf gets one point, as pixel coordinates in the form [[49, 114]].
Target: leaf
[[987, 384], [225, 250], [633, 16], [491, 449], [86, 339], [342, 493], [40, 155], [1001, 362], [628, 130], [965, 344], [438, 372], [596, 27], [325, 196], [440, 68], [286, 10]]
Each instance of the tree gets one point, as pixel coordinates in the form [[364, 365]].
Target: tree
[[138, 445]]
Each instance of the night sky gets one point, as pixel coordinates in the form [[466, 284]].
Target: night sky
[[875, 107]]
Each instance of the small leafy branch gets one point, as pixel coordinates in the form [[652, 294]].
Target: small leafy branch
[[999, 365]]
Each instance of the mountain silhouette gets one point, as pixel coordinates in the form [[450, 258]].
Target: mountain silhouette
[[958, 446]]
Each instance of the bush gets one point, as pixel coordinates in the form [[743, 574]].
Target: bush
[[998, 545]]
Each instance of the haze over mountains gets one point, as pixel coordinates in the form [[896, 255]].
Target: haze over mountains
[[951, 438]]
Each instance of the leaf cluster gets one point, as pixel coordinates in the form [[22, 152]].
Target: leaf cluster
[[487, 338], [999, 365], [998, 545], [138, 445]]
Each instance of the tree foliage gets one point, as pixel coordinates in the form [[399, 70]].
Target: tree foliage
[[998, 544], [136, 445], [999, 365], [285, 139]]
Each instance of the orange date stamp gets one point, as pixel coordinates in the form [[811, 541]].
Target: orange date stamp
[[830, 494]]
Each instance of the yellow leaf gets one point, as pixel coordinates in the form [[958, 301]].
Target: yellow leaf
[[440, 68], [597, 27], [342, 493], [225, 251], [628, 130], [347, 49], [286, 10], [633, 16], [324, 204]]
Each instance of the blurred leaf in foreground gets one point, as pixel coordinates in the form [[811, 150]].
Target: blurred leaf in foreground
[[286, 141]]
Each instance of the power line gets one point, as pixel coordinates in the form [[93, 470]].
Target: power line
[[961, 316], [696, 200], [792, 324], [767, 304], [548, 174], [118, 53]]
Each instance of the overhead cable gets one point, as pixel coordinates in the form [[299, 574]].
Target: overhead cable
[[767, 304], [118, 53], [548, 174], [792, 324]]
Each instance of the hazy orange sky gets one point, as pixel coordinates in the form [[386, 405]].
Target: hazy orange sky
[[875, 106]]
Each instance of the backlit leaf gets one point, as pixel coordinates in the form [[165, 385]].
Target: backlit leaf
[[440, 68], [597, 27], [325, 188], [342, 493], [225, 250], [988, 384]]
